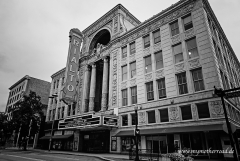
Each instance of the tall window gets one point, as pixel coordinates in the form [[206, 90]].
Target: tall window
[[182, 83], [53, 114], [54, 83], [156, 36], [124, 97], [124, 51], [159, 60], [69, 110], [73, 108], [133, 119], [134, 94], [177, 51], [150, 95], [174, 28], [148, 64], [124, 72], [132, 48], [133, 69], [187, 21], [203, 110], [161, 88], [186, 112], [198, 79], [63, 108], [146, 41], [59, 111], [192, 48], [124, 120], [151, 117], [63, 79], [57, 83], [164, 115]]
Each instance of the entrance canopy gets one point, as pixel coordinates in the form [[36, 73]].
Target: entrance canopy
[[172, 130]]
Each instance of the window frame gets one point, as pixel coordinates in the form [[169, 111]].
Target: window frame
[[133, 97], [190, 23], [147, 43], [131, 69], [148, 65], [124, 51], [132, 50], [124, 97], [197, 106], [173, 29], [126, 121], [199, 81], [183, 84], [174, 54], [163, 117], [133, 119], [62, 113], [154, 118], [160, 60], [158, 38], [150, 92], [181, 109], [196, 47], [161, 89], [124, 73]]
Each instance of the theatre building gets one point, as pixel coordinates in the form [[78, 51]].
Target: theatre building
[[166, 66]]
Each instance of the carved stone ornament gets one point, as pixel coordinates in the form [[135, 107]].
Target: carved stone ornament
[[176, 39], [194, 111], [216, 109], [132, 57], [141, 118], [160, 73], [157, 47], [146, 51], [179, 67], [133, 82], [124, 61], [148, 77], [124, 85], [173, 114], [194, 63], [189, 33]]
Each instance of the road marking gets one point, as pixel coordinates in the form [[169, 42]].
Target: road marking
[[25, 157], [60, 157]]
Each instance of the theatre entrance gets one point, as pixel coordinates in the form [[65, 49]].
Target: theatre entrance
[[96, 141]]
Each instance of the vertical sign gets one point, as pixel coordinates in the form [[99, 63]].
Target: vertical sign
[[69, 91]]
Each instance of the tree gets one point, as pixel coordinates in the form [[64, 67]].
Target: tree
[[26, 114]]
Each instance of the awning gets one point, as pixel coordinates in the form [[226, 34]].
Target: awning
[[61, 136], [44, 138], [172, 130]]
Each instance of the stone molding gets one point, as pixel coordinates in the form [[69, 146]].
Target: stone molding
[[133, 82], [194, 63], [173, 114], [124, 85], [216, 109], [148, 77], [159, 73], [179, 67]]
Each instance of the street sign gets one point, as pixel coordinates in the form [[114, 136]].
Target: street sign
[[232, 94]]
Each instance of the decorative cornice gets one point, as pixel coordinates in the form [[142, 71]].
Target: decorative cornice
[[18, 82], [58, 72]]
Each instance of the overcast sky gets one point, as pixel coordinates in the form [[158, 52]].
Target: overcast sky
[[34, 33]]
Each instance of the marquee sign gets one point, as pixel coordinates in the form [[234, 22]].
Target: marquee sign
[[69, 91], [109, 121], [80, 122]]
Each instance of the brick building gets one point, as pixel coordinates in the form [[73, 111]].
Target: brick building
[[167, 66]]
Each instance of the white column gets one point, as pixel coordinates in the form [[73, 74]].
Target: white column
[[92, 89], [105, 86], [86, 89]]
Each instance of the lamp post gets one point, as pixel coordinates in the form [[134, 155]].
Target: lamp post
[[136, 133]]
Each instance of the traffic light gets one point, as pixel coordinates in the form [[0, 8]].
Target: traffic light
[[136, 132]]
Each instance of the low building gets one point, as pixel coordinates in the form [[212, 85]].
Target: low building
[[167, 66]]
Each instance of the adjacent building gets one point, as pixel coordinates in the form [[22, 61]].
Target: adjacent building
[[167, 66]]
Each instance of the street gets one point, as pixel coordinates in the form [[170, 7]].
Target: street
[[13, 155]]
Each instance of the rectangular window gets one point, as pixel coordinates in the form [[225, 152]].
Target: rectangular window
[[177, 52], [187, 21], [124, 72], [133, 119], [63, 79], [59, 111], [159, 60], [69, 110], [182, 83], [63, 108], [133, 69], [134, 94], [192, 48], [124, 51], [186, 112], [124, 97], [198, 79], [148, 64], [53, 114], [161, 88], [73, 108], [124, 120], [146, 41], [54, 83], [132, 48], [150, 95], [57, 83], [174, 28], [164, 115], [151, 117], [156, 36], [203, 110]]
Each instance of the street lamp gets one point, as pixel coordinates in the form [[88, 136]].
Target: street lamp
[[136, 132]]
